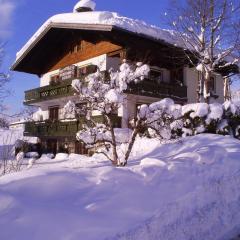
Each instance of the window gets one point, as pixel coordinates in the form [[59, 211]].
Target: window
[[54, 113], [88, 69], [76, 46], [212, 84], [54, 79], [79, 46], [156, 75], [68, 72], [177, 76]]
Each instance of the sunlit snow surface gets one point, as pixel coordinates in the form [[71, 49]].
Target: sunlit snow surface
[[184, 190]]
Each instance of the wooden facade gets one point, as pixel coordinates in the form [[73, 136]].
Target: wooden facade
[[83, 50], [69, 46]]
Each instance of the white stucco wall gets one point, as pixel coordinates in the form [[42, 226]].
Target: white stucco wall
[[191, 81], [220, 88], [128, 109]]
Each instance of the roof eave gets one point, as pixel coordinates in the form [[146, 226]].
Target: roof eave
[[91, 27]]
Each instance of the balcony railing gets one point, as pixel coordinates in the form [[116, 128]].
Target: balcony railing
[[63, 89], [146, 88], [61, 128], [159, 90]]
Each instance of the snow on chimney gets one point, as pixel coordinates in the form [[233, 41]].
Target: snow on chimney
[[84, 6]]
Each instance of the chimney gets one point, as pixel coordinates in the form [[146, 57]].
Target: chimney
[[84, 6]]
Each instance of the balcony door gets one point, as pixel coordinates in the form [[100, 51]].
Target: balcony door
[[54, 113]]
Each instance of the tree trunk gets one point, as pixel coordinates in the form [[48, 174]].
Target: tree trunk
[[132, 141], [201, 87], [114, 143], [227, 93], [207, 93], [130, 146]]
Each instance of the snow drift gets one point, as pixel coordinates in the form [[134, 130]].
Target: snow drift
[[188, 189]]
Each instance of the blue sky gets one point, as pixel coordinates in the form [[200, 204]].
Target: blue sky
[[21, 18]]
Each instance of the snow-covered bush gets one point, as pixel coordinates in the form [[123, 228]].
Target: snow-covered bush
[[167, 120], [103, 96], [211, 118], [161, 119]]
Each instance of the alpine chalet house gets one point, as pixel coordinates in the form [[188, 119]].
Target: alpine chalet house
[[72, 45]]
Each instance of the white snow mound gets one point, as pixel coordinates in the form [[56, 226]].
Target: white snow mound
[[184, 190]]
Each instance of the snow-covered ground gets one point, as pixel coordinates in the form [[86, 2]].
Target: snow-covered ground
[[184, 190]]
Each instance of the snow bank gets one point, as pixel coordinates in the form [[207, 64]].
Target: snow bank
[[32, 155], [189, 189], [8, 139]]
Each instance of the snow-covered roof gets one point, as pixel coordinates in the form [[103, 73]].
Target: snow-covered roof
[[84, 4], [98, 21]]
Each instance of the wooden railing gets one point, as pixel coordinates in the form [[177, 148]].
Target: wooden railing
[[61, 128], [151, 88], [146, 88], [49, 92]]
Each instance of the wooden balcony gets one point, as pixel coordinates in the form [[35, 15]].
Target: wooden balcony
[[62, 128], [159, 90], [49, 92], [145, 88]]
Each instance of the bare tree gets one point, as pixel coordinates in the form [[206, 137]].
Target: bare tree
[[4, 79], [209, 32], [4, 123]]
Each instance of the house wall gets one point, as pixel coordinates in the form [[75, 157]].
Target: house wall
[[220, 88], [191, 81], [129, 107]]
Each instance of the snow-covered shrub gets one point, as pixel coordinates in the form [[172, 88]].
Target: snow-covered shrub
[[167, 120], [103, 97], [201, 117], [161, 119], [69, 110], [232, 114], [211, 118]]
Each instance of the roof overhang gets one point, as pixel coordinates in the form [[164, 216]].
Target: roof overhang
[[77, 26]]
